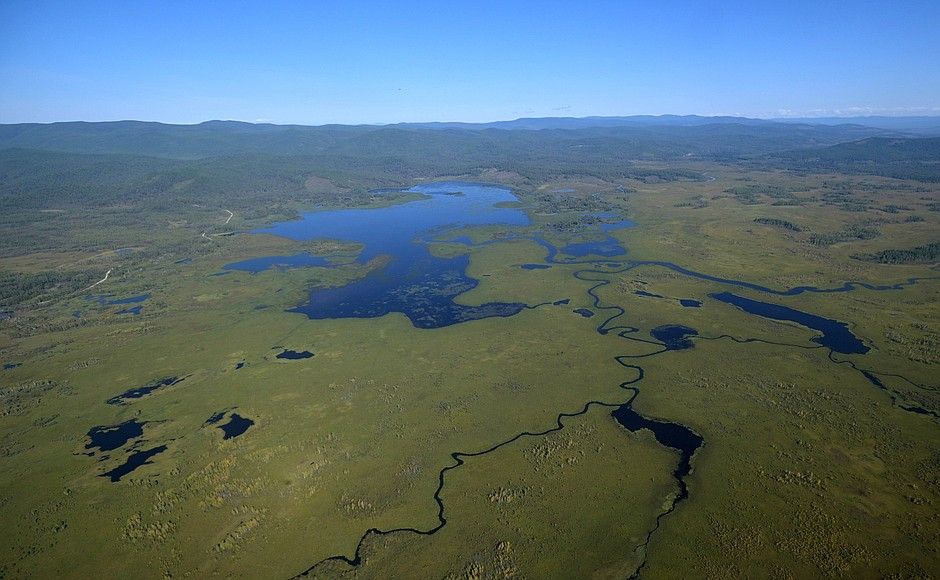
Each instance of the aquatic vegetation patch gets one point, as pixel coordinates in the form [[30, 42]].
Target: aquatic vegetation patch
[[107, 300], [674, 336]]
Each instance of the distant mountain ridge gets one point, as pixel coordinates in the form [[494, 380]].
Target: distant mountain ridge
[[923, 125], [539, 123], [589, 144], [926, 125], [640, 136]]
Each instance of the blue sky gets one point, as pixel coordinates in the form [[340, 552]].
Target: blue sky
[[339, 61]]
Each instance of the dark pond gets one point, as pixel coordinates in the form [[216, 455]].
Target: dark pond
[[671, 435], [8, 366], [674, 336], [131, 300], [111, 437], [215, 418], [239, 365], [648, 294], [294, 354], [77, 314], [685, 302], [134, 460], [835, 335], [561, 302], [236, 426], [585, 312], [413, 281], [535, 266], [139, 392], [135, 310]]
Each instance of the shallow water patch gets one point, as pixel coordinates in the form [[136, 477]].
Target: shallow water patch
[[134, 460], [111, 437], [255, 265], [237, 425], [130, 300], [294, 354], [145, 390], [674, 336]]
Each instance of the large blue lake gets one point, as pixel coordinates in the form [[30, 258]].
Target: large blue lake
[[408, 279], [411, 281]]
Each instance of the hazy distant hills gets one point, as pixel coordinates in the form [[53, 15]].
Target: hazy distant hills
[[917, 125], [207, 139], [639, 136], [606, 146], [539, 123]]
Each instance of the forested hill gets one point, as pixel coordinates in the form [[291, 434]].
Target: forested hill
[[892, 157], [637, 137], [209, 139], [43, 164]]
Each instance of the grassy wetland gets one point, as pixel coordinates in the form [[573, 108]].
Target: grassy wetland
[[509, 405]]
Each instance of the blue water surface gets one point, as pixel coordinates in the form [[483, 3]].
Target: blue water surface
[[255, 265], [411, 281], [835, 335]]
